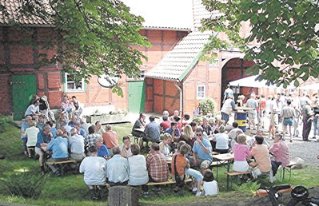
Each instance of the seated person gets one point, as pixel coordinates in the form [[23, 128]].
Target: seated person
[[44, 137], [222, 141], [152, 131], [202, 148], [280, 152], [90, 140], [117, 169], [59, 148], [76, 145], [188, 135], [33, 109], [102, 151], [206, 127], [210, 185], [241, 154], [165, 124], [126, 147], [138, 174], [262, 162], [94, 169], [110, 138], [98, 128], [138, 126], [156, 165], [234, 132], [31, 134], [181, 163], [174, 131], [165, 147]]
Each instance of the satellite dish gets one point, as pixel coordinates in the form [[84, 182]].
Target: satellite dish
[[108, 81]]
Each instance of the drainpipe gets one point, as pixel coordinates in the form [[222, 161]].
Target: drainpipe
[[179, 86]]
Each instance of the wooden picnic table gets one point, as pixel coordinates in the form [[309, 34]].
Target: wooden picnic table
[[227, 157]]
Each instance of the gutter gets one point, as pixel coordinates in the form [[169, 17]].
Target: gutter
[[179, 86]]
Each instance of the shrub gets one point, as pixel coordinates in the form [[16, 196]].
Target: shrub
[[207, 106], [4, 121], [24, 184]]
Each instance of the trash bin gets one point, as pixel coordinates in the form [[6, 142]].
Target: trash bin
[[241, 119]]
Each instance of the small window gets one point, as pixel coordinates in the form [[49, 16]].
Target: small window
[[201, 92], [73, 85]]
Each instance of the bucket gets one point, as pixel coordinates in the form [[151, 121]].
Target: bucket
[[241, 119]]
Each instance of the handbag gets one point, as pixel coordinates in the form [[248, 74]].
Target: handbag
[[179, 181]]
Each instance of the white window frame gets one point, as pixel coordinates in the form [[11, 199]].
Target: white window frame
[[200, 94], [67, 81]]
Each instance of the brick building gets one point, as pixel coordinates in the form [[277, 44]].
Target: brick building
[[175, 76]]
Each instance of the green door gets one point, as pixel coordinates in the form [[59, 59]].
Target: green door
[[136, 96], [23, 88]]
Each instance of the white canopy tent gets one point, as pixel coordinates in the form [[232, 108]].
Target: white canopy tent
[[250, 82]]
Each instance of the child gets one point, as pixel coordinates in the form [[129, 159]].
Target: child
[[241, 153], [210, 185]]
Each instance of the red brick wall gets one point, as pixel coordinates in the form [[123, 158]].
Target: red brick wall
[[5, 107]]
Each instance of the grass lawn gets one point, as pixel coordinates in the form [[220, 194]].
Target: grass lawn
[[71, 190]]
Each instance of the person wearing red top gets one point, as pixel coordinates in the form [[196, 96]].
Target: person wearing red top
[[110, 138], [165, 124]]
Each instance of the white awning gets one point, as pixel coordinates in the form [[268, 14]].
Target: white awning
[[250, 82]]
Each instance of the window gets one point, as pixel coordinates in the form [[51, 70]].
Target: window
[[73, 85], [200, 91]]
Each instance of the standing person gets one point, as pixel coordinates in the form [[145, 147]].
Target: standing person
[[262, 110], [227, 108], [152, 131], [117, 168], [287, 113], [110, 138], [316, 117], [32, 136], [94, 169], [241, 154], [228, 92], [307, 115], [273, 118], [280, 152], [252, 104]]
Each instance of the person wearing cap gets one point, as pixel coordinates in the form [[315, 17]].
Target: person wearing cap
[[152, 131], [202, 148], [94, 169], [287, 113], [307, 119]]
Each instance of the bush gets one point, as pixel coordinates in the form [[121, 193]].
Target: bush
[[24, 184], [4, 121], [207, 106]]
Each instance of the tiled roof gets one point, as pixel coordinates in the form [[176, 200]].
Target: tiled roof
[[12, 14], [177, 63]]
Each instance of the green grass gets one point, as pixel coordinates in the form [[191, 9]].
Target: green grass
[[71, 190]]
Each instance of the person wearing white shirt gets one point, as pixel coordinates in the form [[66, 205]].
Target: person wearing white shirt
[[33, 109], [94, 169], [76, 145], [31, 134], [222, 141], [117, 168], [138, 174], [210, 185]]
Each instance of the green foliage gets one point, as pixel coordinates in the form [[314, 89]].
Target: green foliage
[[94, 37], [207, 106], [24, 184], [287, 33], [249, 187]]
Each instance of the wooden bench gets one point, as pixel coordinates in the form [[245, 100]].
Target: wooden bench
[[232, 174], [168, 182], [63, 164]]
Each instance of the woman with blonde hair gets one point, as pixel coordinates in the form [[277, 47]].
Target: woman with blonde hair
[[188, 135]]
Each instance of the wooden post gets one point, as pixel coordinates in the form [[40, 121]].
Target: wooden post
[[123, 196]]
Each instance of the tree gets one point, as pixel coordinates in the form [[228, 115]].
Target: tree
[[95, 37], [285, 32]]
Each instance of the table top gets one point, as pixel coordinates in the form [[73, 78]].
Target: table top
[[224, 157]]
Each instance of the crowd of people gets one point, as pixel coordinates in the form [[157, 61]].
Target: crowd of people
[[180, 148]]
